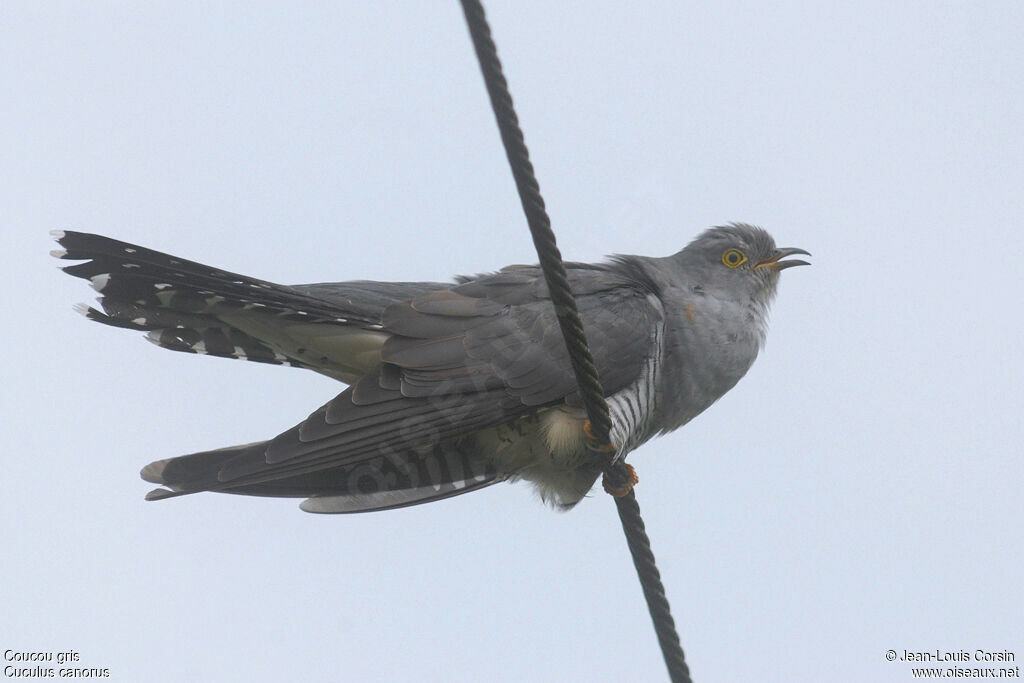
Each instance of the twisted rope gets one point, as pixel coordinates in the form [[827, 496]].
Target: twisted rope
[[572, 330], [654, 591], [539, 222]]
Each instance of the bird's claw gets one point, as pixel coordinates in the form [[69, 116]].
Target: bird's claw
[[593, 443], [620, 481]]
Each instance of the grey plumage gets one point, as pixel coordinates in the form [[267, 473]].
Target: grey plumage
[[453, 386]]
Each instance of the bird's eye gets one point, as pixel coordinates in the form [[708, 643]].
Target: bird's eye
[[734, 258]]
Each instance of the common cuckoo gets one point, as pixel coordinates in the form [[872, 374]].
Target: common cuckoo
[[452, 386]]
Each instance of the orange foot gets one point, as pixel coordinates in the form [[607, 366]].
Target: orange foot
[[621, 480], [592, 441]]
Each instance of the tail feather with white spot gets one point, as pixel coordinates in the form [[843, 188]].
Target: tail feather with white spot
[[187, 306]]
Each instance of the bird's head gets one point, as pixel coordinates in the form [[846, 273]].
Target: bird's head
[[739, 259]]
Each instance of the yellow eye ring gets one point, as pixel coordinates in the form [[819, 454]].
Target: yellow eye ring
[[734, 258]]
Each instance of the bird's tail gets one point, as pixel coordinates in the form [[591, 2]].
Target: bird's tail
[[376, 482], [187, 306]]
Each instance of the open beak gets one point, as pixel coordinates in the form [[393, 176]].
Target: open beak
[[776, 264]]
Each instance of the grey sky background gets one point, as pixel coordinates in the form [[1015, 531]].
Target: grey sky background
[[860, 490]]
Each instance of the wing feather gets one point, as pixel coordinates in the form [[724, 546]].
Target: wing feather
[[480, 354]]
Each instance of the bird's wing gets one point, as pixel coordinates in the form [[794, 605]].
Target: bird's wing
[[457, 361], [501, 332]]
